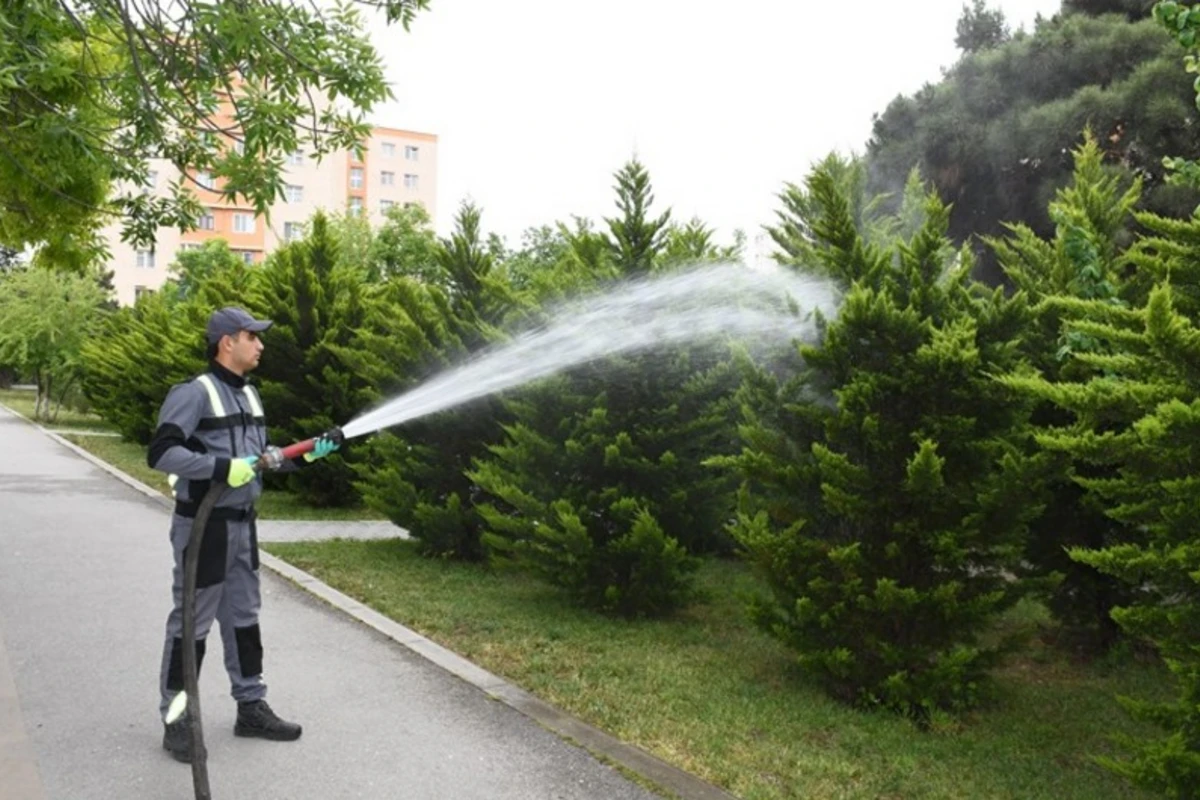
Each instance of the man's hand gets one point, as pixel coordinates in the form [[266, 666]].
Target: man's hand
[[241, 471], [321, 448]]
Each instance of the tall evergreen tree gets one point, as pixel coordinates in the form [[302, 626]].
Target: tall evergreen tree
[[883, 498], [980, 28], [636, 238], [417, 473], [1086, 259], [1132, 416], [316, 302], [599, 484], [414, 474], [994, 135]]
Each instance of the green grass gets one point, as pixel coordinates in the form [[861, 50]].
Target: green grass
[[22, 401], [130, 458], [719, 699]]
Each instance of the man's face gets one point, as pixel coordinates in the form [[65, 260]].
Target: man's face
[[245, 351]]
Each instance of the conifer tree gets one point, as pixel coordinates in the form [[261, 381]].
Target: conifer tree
[[636, 238], [414, 474], [316, 303], [599, 484], [883, 494], [1133, 417], [1086, 259], [417, 473]]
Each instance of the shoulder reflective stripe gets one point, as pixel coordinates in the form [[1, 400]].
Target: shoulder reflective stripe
[[252, 396], [214, 396]]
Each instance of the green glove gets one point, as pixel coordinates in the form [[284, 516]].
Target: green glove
[[241, 471], [323, 447]]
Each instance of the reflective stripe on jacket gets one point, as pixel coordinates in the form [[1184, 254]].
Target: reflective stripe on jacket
[[203, 424]]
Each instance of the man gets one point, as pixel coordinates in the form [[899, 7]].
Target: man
[[211, 430]]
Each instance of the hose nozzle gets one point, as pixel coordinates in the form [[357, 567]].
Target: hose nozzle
[[298, 449]]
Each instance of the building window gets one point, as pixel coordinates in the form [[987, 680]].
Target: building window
[[239, 147], [205, 180], [151, 180], [384, 205], [145, 259], [356, 178], [294, 193], [296, 158], [387, 178], [206, 222], [356, 206], [243, 223], [293, 231], [246, 255], [412, 152], [389, 149], [410, 181], [138, 291], [189, 246]]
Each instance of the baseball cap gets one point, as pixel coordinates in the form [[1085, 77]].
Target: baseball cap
[[228, 321]]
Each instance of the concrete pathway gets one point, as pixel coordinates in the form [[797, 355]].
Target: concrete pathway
[[84, 592]]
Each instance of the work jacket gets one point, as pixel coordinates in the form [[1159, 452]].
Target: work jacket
[[203, 425]]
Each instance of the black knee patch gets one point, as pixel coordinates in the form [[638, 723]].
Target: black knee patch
[[175, 669], [250, 650]]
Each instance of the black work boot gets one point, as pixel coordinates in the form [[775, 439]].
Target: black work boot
[[177, 739], [257, 719]]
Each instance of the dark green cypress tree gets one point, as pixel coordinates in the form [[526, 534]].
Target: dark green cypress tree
[[599, 484], [883, 499], [316, 303], [417, 473], [414, 474]]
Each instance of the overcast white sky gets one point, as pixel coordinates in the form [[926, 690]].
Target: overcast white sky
[[537, 102]]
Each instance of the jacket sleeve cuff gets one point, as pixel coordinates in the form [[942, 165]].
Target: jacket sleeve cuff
[[221, 470]]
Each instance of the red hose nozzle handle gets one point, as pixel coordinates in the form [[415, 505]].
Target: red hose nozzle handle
[[306, 446]]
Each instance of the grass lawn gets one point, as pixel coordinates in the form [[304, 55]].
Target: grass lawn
[[717, 698], [21, 401]]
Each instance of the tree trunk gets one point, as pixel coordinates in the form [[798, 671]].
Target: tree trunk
[[62, 396], [38, 394]]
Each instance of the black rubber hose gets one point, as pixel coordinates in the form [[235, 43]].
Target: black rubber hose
[[191, 563]]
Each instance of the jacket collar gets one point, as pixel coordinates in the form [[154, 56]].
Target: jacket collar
[[226, 376]]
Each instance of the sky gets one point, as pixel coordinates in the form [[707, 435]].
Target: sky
[[536, 103]]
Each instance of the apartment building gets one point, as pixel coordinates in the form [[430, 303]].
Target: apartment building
[[397, 167]]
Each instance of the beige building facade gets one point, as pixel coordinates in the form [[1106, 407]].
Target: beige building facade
[[397, 168]]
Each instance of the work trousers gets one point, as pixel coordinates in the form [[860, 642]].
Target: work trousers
[[227, 590]]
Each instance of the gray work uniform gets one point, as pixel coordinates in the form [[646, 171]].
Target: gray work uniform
[[203, 424]]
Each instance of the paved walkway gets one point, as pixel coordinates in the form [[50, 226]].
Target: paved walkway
[[84, 591]]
